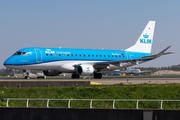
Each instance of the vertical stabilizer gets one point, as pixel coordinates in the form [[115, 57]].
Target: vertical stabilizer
[[144, 43]]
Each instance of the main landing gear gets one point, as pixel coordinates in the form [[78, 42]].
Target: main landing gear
[[75, 76], [97, 76]]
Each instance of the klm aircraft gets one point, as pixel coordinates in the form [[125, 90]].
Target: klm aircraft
[[54, 61]]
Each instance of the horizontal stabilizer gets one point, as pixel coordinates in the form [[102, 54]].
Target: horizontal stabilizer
[[168, 53], [160, 53]]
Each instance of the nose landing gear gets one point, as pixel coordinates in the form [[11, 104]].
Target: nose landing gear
[[28, 74]]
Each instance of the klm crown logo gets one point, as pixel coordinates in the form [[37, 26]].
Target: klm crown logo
[[146, 40], [88, 70], [146, 36]]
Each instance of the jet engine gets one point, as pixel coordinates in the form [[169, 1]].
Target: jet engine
[[85, 69], [51, 72]]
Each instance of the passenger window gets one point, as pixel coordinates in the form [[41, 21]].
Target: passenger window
[[112, 56], [72, 55], [88, 55], [96, 55], [63, 54], [92, 55], [116, 55], [84, 55], [55, 55], [67, 54], [100, 55], [51, 54], [119, 55], [108, 55], [59, 54], [76, 55], [104, 55], [46, 54], [17, 53]]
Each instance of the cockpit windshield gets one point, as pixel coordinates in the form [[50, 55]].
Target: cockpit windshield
[[20, 53], [17, 53], [24, 53]]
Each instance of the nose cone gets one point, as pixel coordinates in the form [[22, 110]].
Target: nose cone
[[9, 62]]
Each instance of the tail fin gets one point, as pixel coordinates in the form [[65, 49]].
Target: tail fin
[[144, 43]]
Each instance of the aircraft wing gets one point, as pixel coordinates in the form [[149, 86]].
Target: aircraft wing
[[144, 58], [122, 61]]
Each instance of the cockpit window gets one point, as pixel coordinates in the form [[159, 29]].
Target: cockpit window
[[24, 53], [17, 53]]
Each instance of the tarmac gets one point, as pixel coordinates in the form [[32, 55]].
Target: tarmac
[[105, 81], [135, 81]]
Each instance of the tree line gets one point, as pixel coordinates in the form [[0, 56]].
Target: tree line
[[173, 67]]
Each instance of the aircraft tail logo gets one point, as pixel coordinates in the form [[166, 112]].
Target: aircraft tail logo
[[144, 43], [146, 40]]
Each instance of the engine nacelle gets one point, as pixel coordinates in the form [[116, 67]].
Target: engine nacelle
[[51, 72], [85, 70]]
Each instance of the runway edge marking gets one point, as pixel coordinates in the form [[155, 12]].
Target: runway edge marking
[[95, 83]]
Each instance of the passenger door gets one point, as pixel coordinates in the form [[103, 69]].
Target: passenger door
[[38, 55]]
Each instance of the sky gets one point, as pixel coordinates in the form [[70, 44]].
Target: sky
[[96, 24]]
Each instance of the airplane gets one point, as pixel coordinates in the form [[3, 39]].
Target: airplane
[[134, 71], [54, 61], [113, 72], [126, 71]]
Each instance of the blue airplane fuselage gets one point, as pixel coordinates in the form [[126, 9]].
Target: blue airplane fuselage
[[30, 56]]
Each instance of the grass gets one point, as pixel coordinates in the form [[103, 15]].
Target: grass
[[118, 91]]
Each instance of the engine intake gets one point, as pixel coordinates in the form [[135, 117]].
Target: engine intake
[[85, 70]]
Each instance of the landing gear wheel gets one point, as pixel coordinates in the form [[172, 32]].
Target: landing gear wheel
[[41, 77], [75, 76], [97, 76], [28, 74], [27, 77]]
